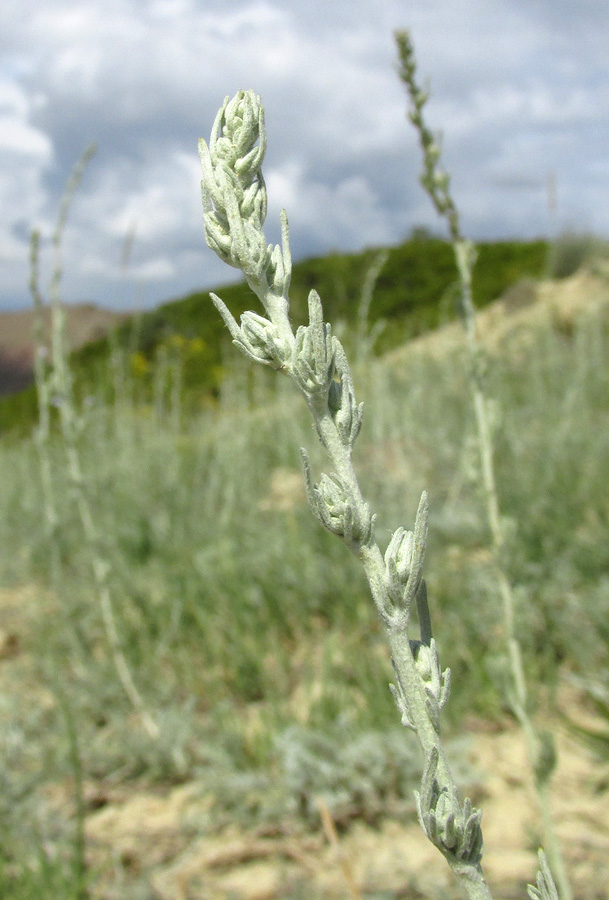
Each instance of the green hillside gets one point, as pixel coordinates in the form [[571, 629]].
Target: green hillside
[[414, 293]]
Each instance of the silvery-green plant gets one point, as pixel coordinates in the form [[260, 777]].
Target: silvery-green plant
[[546, 889], [540, 745], [365, 339], [54, 386], [234, 210]]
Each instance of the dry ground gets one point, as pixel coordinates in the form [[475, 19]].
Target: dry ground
[[141, 835], [393, 859], [150, 836]]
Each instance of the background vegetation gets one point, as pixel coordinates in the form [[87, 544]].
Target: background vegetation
[[415, 292], [248, 629]]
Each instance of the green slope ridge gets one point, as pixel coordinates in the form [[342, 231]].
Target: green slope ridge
[[414, 293]]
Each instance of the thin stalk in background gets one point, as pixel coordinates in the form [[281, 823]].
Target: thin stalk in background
[[42, 432], [332, 836], [55, 385], [365, 339], [79, 861], [436, 182]]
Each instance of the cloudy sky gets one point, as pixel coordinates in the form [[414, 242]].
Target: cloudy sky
[[520, 90]]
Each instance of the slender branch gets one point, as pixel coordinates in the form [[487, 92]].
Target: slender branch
[[58, 383], [436, 182], [234, 203]]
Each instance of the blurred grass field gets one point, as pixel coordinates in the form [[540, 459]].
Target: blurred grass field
[[249, 630]]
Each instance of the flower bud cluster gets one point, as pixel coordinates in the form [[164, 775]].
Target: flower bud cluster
[[260, 339], [404, 565], [263, 341], [321, 371], [313, 365], [233, 189], [454, 828], [435, 681], [334, 507], [235, 199], [346, 413]]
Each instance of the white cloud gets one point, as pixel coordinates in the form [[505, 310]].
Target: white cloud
[[159, 268], [157, 202], [284, 184], [534, 104], [348, 208], [25, 154], [17, 135], [518, 87]]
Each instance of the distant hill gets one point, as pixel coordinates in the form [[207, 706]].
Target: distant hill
[[85, 323], [414, 293]]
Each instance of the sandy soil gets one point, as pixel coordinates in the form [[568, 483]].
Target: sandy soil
[[509, 325], [392, 859], [151, 838]]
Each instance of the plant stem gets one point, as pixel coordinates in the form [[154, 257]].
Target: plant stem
[[234, 204], [42, 432], [436, 183], [471, 876], [79, 861], [61, 380]]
